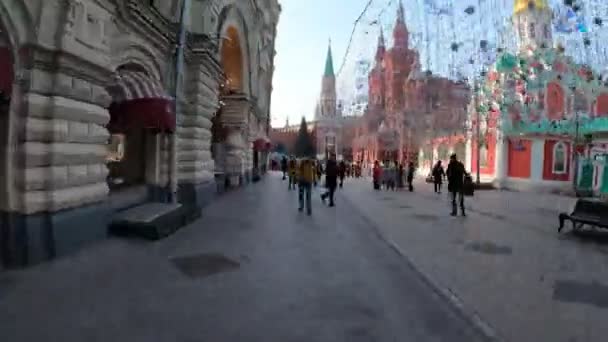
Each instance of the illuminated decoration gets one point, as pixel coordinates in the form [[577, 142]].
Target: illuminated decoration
[[537, 95], [567, 20]]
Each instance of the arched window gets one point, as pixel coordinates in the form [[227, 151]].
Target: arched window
[[559, 158]]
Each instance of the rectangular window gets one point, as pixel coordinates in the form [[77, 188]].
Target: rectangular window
[[547, 31], [580, 102], [532, 30]]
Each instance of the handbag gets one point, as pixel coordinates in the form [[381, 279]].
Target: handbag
[[468, 188]]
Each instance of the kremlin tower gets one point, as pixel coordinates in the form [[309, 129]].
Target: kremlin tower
[[327, 113]]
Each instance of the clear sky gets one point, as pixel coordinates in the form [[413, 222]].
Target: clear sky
[[302, 37]]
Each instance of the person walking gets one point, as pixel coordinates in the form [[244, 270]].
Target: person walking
[[400, 175], [331, 179], [284, 166], [438, 174], [292, 168], [319, 170], [385, 175], [456, 173], [342, 172], [306, 177], [411, 170], [395, 175], [376, 175]]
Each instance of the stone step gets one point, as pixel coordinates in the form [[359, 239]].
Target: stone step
[[153, 220]]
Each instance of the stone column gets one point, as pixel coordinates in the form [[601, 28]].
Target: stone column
[[469, 152], [195, 165], [59, 135], [502, 159]]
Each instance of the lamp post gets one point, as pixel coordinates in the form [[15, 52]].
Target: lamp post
[[576, 135], [179, 65], [477, 135]]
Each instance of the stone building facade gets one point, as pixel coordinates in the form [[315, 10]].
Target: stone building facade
[[408, 108], [381, 133], [530, 144], [60, 60]]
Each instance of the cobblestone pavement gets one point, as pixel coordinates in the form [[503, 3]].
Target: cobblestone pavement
[[252, 269], [504, 263]]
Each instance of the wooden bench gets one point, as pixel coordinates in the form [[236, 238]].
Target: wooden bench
[[588, 212]]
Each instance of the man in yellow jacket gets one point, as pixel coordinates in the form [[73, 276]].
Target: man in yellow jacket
[[306, 176]]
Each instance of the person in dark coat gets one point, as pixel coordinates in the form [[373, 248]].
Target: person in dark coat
[[456, 173], [438, 174], [331, 179], [342, 172], [400, 172], [284, 166], [411, 170]]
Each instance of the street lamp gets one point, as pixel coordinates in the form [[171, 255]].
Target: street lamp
[[477, 135]]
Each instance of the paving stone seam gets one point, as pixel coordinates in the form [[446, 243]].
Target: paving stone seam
[[456, 304]]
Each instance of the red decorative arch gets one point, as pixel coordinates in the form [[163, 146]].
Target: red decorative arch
[[601, 105], [555, 101]]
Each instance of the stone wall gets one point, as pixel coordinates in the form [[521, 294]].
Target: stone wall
[[201, 93], [60, 126], [54, 142]]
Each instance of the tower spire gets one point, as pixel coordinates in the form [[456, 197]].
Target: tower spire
[[400, 34], [329, 62], [401, 12], [381, 48]]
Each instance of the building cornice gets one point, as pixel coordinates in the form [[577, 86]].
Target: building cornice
[[61, 61], [147, 21]]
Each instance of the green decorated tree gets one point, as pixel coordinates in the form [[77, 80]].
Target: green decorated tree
[[280, 148], [304, 146]]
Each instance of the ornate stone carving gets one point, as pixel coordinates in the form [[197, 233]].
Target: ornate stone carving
[[75, 13]]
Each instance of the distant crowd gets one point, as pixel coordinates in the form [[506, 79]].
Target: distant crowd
[[305, 173]]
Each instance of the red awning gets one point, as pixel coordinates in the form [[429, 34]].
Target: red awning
[[139, 101], [6, 70]]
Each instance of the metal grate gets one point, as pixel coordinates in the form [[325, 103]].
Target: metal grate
[[488, 248], [204, 265]]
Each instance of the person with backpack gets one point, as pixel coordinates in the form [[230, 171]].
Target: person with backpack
[[306, 178], [456, 174], [438, 173]]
